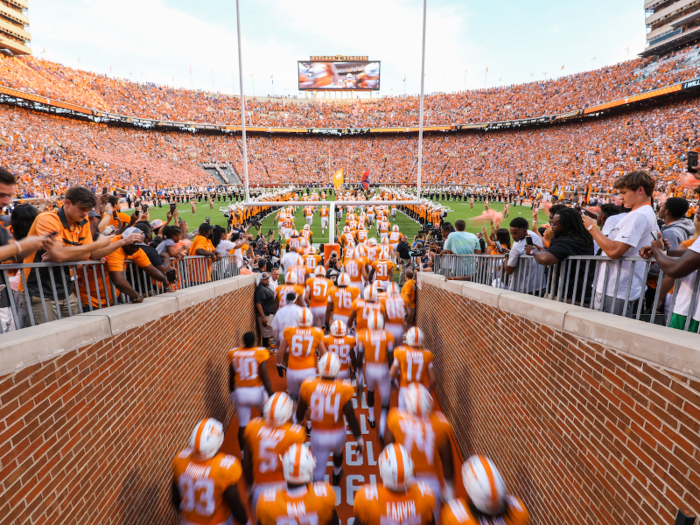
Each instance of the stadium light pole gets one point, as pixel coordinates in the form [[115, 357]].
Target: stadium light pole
[[240, 76], [422, 95]]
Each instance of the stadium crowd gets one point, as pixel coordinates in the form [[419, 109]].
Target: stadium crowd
[[49, 154], [148, 100]]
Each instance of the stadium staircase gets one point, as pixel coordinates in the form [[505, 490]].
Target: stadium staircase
[[222, 173]]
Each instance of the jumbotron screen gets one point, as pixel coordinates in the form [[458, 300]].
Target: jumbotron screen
[[361, 75]]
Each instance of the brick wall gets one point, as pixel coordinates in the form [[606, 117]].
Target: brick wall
[[89, 436], [583, 433]]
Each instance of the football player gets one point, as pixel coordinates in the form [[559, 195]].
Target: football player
[[318, 290], [426, 436], [397, 500], [384, 269], [267, 439], [395, 308], [413, 362], [375, 346], [488, 501], [362, 308], [302, 341], [342, 345], [290, 286], [328, 400], [343, 296], [324, 218], [205, 481], [248, 381], [356, 268], [301, 502]]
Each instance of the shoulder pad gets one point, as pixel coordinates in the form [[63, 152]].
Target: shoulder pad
[[185, 453], [296, 428], [322, 488], [270, 495], [227, 461], [424, 488]]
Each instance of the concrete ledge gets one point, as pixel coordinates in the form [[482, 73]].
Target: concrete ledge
[[28, 346], [124, 317], [195, 295], [22, 348], [481, 293], [537, 309]]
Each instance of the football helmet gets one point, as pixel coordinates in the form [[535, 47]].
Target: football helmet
[[484, 485], [418, 400], [305, 318], [343, 280], [395, 467], [320, 271], [393, 289], [375, 321], [371, 294], [329, 365], [338, 329], [298, 464], [295, 233], [290, 278], [206, 438], [414, 336], [307, 227], [278, 409], [395, 228]]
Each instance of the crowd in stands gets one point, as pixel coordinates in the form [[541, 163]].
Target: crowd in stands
[[533, 99], [49, 154]]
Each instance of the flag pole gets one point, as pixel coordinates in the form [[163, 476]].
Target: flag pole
[[422, 96], [240, 75]]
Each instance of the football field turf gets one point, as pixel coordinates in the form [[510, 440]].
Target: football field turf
[[459, 210]]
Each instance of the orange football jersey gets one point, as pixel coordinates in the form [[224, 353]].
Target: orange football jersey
[[364, 310], [394, 238], [311, 262], [324, 211], [245, 362], [377, 505], [395, 309], [313, 507], [268, 444], [202, 485], [340, 346], [414, 364], [457, 512], [284, 289], [326, 400], [353, 267], [343, 299], [421, 436], [382, 269], [376, 344], [361, 235], [302, 343], [319, 289]]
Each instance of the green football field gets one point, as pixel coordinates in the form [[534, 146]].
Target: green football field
[[460, 210]]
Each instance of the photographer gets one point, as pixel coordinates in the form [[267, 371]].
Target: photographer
[[403, 253]]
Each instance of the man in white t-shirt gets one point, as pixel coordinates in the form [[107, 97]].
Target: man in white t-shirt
[[628, 236], [291, 259], [526, 274]]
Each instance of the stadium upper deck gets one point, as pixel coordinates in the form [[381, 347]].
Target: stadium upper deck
[[521, 101]]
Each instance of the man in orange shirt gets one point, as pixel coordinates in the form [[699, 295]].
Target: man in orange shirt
[[248, 381], [487, 500], [301, 502], [205, 481], [318, 290], [375, 346], [408, 293], [413, 362], [342, 345], [342, 298], [397, 500], [328, 399], [266, 440], [200, 269], [426, 436]]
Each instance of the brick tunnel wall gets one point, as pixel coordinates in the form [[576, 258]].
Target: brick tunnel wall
[[584, 434], [89, 436]]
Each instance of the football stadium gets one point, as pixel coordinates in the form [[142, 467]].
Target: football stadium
[[342, 305]]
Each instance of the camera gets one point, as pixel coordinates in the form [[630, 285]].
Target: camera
[[692, 160], [418, 252]]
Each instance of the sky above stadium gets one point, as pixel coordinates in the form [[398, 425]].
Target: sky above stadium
[[193, 44]]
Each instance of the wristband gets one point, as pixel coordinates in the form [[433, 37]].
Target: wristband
[[590, 227], [19, 250]]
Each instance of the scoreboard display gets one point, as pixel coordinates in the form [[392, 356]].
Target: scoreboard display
[[328, 73]]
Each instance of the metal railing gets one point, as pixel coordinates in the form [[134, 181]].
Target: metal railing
[[630, 286], [42, 292]]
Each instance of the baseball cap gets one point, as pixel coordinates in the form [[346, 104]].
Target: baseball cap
[[131, 230], [205, 227], [156, 224], [93, 213], [264, 275]]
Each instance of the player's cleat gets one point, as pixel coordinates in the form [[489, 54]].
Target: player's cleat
[[336, 477]]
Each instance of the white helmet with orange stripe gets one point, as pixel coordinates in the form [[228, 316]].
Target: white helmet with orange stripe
[[371, 294], [393, 289], [384, 255], [338, 329], [375, 321], [307, 227], [278, 409], [305, 318], [418, 400], [290, 278], [320, 271], [298, 464], [484, 484], [329, 365], [395, 467], [414, 336], [206, 438], [395, 227], [344, 280]]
